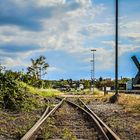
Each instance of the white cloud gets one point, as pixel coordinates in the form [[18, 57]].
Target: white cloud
[[58, 2], [126, 48], [60, 33], [49, 2], [110, 43], [130, 30], [105, 59], [10, 62], [64, 31], [52, 69]]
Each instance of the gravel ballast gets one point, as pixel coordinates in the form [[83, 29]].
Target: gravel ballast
[[122, 123]]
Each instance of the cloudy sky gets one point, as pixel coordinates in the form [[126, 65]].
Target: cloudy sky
[[65, 31]]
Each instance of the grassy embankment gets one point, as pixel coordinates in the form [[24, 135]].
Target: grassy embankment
[[85, 92], [41, 92], [29, 105]]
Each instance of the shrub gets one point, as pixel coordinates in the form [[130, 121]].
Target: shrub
[[12, 95], [8, 90]]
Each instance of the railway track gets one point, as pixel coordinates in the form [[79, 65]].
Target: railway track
[[70, 120]]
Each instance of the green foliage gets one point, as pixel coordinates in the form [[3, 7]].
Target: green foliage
[[86, 83], [14, 96], [2, 68], [49, 129], [124, 80], [109, 83], [37, 70], [67, 135], [104, 83], [47, 84], [8, 89], [41, 92]]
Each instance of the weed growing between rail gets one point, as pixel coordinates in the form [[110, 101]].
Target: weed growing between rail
[[49, 129], [67, 135]]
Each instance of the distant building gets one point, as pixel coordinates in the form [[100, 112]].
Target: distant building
[[106, 88], [122, 86], [129, 85], [80, 87]]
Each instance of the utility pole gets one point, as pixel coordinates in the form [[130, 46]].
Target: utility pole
[[116, 50], [93, 70]]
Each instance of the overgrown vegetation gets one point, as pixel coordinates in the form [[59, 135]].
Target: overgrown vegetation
[[49, 92], [49, 129], [85, 92], [131, 103], [67, 135], [14, 95]]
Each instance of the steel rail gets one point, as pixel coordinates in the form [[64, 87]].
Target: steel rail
[[111, 135], [100, 129], [29, 133], [44, 117]]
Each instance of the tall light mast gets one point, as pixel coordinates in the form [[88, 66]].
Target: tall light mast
[[93, 70]]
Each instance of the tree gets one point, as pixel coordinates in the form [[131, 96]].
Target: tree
[[124, 80], [86, 83], [42, 66], [2, 68], [38, 69], [69, 81], [100, 79]]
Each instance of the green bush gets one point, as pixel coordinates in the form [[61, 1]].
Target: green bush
[[8, 90], [13, 96]]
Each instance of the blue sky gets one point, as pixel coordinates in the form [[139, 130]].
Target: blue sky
[[65, 31]]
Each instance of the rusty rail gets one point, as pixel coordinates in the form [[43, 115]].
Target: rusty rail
[[111, 135], [101, 127], [44, 117]]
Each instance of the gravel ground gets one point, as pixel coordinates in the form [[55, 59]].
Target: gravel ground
[[14, 125], [122, 123]]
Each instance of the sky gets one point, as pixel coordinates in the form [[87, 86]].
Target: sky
[[65, 31]]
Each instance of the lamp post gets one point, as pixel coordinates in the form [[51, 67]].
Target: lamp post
[[116, 50], [93, 70]]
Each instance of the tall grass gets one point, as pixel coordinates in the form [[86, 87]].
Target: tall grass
[[131, 103], [42, 92]]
